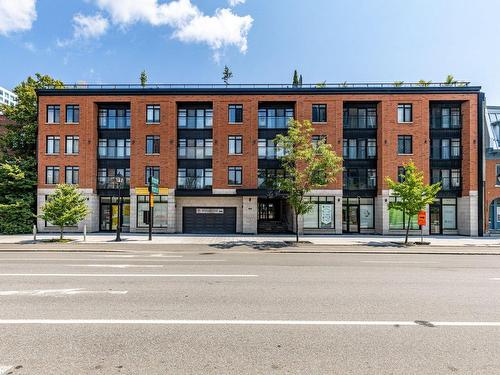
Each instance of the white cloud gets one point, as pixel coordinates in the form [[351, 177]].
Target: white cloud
[[16, 15], [87, 27], [218, 31], [233, 3], [189, 23]]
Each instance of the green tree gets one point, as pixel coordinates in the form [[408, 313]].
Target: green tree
[[413, 193], [450, 80], [143, 78], [65, 207], [295, 80], [398, 83], [424, 83], [18, 169], [227, 74], [307, 166], [300, 80], [321, 85]]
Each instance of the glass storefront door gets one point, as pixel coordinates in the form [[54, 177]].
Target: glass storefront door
[[350, 218], [435, 220], [109, 213]]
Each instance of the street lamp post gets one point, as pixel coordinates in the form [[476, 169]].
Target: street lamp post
[[119, 181]]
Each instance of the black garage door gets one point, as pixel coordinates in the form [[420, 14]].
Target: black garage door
[[209, 220]]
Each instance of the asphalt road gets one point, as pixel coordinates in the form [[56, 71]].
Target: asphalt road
[[200, 310]]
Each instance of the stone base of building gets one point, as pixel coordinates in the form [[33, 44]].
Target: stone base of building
[[228, 213]]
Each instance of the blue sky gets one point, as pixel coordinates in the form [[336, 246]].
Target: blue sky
[[189, 41]]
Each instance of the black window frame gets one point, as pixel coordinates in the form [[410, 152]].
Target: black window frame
[[403, 142], [151, 170], [319, 113], [402, 108], [158, 200], [156, 110], [238, 144], [401, 174], [73, 169], [155, 145], [235, 111], [55, 109], [75, 140], [235, 172], [53, 168], [56, 140], [75, 114]]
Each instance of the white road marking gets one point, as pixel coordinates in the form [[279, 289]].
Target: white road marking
[[121, 275], [396, 262], [247, 322], [4, 369], [110, 260], [116, 265], [141, 256], [58, 292], [495, 279]]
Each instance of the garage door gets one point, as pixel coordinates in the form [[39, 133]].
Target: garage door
[[209, 220]]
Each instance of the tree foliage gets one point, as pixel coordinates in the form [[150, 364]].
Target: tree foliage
[[18, 168], [295, 79], [413, 193], [65, 207], [307, 166], [143, 78], [227, 74]]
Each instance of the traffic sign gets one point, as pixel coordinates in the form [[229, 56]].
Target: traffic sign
[[422, 218], [153, 185]]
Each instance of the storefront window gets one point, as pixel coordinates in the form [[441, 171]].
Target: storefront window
[[160, 213], [322, 215], [398, 220], [449, 213], [366, 213]]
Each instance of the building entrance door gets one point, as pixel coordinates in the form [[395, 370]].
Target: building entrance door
[[435, 220], [109, 214], [350, 218]]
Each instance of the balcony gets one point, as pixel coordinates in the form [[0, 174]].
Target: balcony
[[194, 153], [110, 118], [446, 122], [194, 183], [110, 183], [270, 153], [274, 122], [360, 122], [449, 153], [114, 153]]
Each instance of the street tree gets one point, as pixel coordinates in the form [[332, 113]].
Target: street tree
[[65, 207], [18, 168], [413, 194], [143, 78], [227, 74], [295, 80], [306, 165]]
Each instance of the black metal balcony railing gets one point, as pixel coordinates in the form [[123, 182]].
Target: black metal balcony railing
[[360, 122], [274, 122], [270, 153], [118, 122], [359, 184], [342, 85], [359, 153], [446, 122], [194, 152], [114, 153], [110, 183], [448, 153], [194, 183]]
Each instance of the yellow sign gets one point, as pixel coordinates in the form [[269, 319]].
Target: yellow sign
[[145, 191]]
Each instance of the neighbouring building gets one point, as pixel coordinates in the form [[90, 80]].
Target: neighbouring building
[[212, 149], [7, 97]]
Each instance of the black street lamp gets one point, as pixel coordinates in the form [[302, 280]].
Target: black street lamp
[[119, 182]]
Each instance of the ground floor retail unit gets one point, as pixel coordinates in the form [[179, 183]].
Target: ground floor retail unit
[[331, 213]]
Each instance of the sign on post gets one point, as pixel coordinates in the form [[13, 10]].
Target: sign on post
[[153, 185], [153, 189], [422, 218]]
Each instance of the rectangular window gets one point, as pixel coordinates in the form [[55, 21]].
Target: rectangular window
[[405, 144], [53, 114], [51, 175], [152, 172], [319, 113], [72, 175], [114, 148], [152, 144], [401, 174], [195, 118], [360, 179], [153, 113], [235, 113], [234, 176], [72, 144], [266, 178], [405, 113], [53, 144], [160, 212], [114, 118], [235, 146], [360, 118], [106, 178], [195, 148], [450, 179], [317, 139], [275, 118], [72, 114], [194, 178], [398, 220], [322, 215], [497, 181]]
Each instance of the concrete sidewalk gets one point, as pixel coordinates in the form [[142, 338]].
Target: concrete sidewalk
[[327, 240]]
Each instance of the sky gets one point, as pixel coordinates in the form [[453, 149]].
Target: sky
[[262, 41]]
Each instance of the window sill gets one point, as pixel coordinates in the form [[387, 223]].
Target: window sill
[[240, 185], [52, 123], [71, 123], [71, 154], [152, 123], [235, 154], [405, 122], [235, 123], [319, 123], [405, 154], [55, 154], [154, 154]]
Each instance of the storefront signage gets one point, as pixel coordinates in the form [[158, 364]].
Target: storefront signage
[[421, 218], [326, 214], [218, 211]]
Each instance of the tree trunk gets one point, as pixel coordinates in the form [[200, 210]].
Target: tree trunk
[[296, 226], [61, 234], [407, 229]]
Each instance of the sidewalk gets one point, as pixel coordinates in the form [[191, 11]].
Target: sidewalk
[[320, 240]]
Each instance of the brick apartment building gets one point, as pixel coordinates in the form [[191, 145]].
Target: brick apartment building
[[212, 149]]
